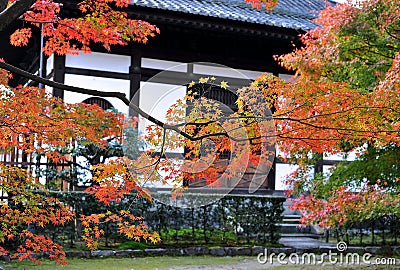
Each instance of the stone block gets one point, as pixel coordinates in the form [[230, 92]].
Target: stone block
[[243, 251], [257, 250], [123, 253], [217, 251], [230, 251], [155, 251], [175, 252], [102, 253], [194, 251]]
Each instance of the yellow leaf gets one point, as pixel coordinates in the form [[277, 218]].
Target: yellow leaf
[[203, 80], [224, 84]]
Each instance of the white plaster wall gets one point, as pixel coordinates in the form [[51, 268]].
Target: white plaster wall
[[99, 61], [50, 64], [327, 170], [164, 65], [341, 156], [281, 174], [100, 84], [155, 99], [285, 77], [223, 71]]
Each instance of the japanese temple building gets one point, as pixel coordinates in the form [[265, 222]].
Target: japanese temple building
[[227, 39]]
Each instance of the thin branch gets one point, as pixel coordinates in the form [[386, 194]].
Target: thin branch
[[10, 14], [336, 128], [175, 128], [155, 163], [3, 5]]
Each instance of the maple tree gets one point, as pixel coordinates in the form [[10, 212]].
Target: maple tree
[[344, 94], [40, 125], [268, 4], [222, 143], [99, 23], [344, 97]]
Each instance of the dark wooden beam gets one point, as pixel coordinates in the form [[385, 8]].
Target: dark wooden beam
[[97, 73], [272, 176], [59, 74], [135, 76], [319, 166]]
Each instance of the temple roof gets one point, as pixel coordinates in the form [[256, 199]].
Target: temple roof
[[291, 14]]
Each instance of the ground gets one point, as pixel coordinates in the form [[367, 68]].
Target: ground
[[196, 262], [177, 263]]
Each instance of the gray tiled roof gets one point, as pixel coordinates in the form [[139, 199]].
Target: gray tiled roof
[[293, 14]]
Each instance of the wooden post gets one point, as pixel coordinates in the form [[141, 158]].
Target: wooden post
[[59, 74], [318, 167], [135, 77]]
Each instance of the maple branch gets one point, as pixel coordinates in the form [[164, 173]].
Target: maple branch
[[160, 155], [391, 34], [8, 15], [335, 128], [303, 121], [344, 111], [3, 5], [239, 117], [356, 50], [86, 91], [75, 89], [226, 134], [175, 128]]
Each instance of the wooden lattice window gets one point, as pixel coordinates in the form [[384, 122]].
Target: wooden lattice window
[[104, 104]]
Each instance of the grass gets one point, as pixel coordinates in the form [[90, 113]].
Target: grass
[[164, 262], [147, 263], [329, 267]]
